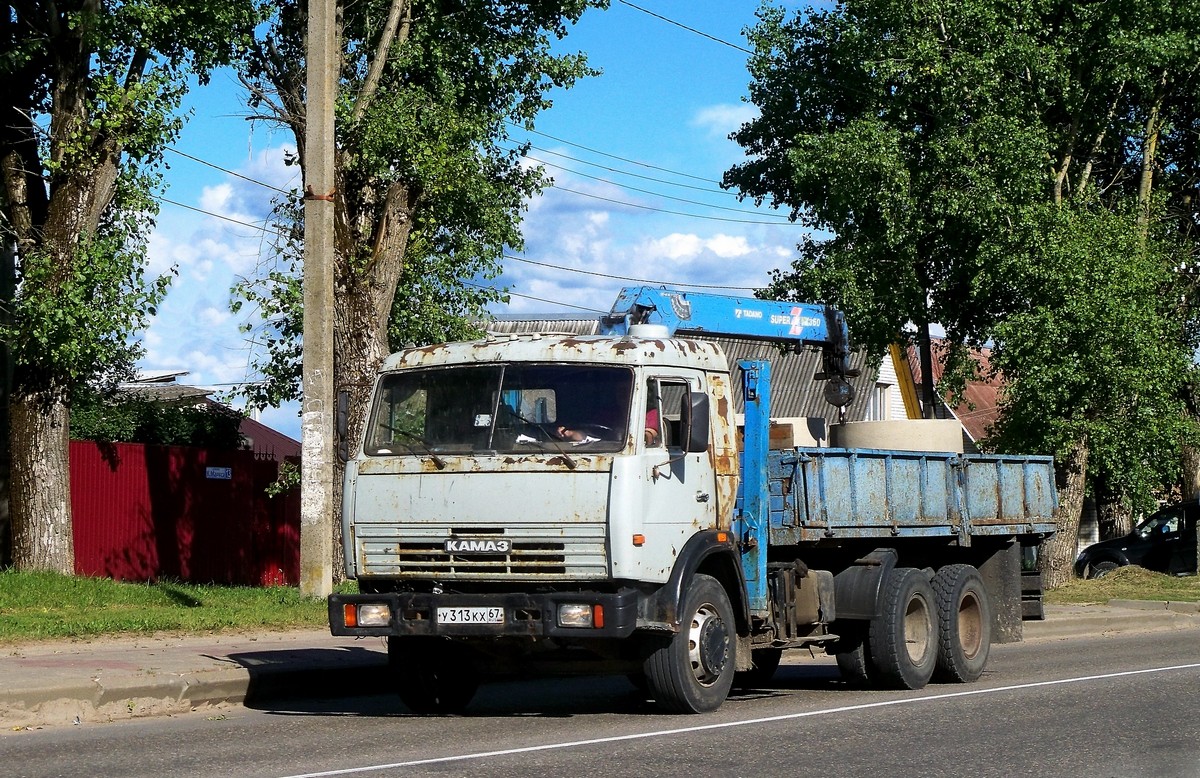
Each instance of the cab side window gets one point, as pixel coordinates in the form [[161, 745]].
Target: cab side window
[[671, 392]]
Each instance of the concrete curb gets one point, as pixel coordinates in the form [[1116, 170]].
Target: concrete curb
[[124, 678], [1064, 621]]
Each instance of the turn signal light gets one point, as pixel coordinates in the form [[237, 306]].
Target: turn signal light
[[366, 615], [639, 539]]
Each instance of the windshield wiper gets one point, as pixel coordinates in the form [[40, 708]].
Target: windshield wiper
[[571, 465], [424, 444]]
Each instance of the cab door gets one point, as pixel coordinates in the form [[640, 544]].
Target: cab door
[[680, 487]]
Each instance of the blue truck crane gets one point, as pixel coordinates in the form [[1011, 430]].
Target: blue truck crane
[[594, 504]]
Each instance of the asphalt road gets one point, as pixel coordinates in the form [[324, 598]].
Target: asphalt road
[[1121, 706]]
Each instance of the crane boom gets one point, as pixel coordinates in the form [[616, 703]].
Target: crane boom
[[792, 324]]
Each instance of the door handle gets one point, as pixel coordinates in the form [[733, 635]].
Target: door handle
[[701, 496]]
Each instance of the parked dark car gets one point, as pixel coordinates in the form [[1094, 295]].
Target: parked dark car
[[1165, 542]]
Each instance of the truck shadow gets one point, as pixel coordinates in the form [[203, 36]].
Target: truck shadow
[[363, 694]]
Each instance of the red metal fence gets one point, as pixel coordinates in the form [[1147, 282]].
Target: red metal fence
[[147, 512]]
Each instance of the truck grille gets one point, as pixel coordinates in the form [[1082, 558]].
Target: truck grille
[[570, 552]]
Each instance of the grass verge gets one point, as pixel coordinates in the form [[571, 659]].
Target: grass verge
[[1128, 583], [47, 606]]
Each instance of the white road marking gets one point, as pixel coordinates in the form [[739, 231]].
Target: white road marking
[[740, 723]]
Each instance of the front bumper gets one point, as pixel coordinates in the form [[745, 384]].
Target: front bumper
[[525, 615]]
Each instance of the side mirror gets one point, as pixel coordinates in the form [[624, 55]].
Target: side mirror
[[693, 415], [341, 425]]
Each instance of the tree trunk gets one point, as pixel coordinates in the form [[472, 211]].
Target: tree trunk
[[360, 325], [1190, 477], [1057, 558], [41, 483], [1115, 517]]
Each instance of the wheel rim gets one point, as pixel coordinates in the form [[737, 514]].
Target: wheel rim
[[918, 626], [708, 645], [970, 625]]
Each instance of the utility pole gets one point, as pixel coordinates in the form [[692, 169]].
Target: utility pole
[[316, 430]]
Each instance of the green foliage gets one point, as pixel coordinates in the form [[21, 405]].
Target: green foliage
[[94, 92], [136, 420], [1100, 353], [44, 606], [72, 320], [974, 165], [427, 145], [289, 478]]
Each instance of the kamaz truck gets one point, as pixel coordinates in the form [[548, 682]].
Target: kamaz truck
[[553, 503]]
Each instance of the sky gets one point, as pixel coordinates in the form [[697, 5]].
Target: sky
[[636, 155]]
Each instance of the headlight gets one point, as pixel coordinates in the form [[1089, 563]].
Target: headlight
[[578, 615], [367, 614]]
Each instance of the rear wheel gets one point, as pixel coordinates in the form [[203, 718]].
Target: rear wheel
[[852, 653], [692, 671], [964, 624], [902, 639], [432, 675]]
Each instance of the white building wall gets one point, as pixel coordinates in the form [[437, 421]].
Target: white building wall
[[888, 389]]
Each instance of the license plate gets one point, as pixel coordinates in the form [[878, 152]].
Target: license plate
[[470, 615]]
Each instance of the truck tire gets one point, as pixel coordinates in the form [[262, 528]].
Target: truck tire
[[853, 654], [692, 670], [432, 676], [902, 639], [964, 624], [766, 662]]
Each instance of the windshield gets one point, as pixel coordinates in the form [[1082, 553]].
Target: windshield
[[502, 408], [1165, 521]]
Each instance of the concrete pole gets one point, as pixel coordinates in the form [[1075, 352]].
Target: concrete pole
[[316, 430]]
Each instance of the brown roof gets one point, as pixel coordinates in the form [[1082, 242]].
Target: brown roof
[[267, 442], [976, 409]]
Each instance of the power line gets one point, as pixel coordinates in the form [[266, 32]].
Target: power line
[[685, 27], [655, 194], [229, 172], [618, 171], [531, 297], [645, 281], [672, 213], [613, 156], [259, 227]]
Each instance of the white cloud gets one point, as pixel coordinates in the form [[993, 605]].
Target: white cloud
[[214, 317], [674, 246], [721, 120], [216, 199], [194, 330]]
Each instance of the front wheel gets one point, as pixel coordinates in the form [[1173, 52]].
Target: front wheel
[[902, 639], [1101, 569], [432, 675], [692, 671]]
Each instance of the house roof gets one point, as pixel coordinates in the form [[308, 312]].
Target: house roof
[[164, 390], [977, 409], [796, 391], [266, 442]]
